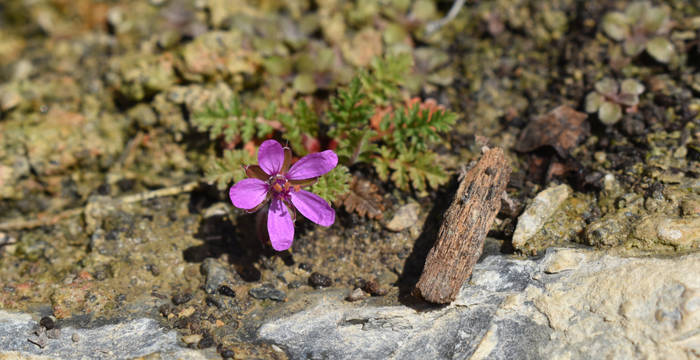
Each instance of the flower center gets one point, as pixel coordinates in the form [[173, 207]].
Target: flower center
[[280, 186]]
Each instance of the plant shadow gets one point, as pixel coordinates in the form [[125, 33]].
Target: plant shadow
[[239, 244], [413, 266]]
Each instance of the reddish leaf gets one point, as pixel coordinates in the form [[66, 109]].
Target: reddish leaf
[[562, 128]]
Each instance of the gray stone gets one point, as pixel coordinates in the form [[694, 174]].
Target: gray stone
[[264, 292], [570, 304], [216, 275], [131, 339]]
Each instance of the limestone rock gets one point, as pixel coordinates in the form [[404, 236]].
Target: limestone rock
[[679, 233], [127, 340], [538, 212], [405, 217], [569, 304]]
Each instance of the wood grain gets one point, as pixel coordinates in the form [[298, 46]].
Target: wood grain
[[464, 227]]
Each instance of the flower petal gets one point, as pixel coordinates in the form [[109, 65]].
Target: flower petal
[[280, 225], [248, 193], [313, 207], [271, 157], [313, 165]]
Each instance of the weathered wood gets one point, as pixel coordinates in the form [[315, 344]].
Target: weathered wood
[[466, 222]]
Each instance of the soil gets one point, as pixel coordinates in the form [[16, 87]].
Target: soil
[[96, 104]]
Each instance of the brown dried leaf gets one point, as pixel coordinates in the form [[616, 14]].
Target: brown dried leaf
[[562, 128], [363, 198]]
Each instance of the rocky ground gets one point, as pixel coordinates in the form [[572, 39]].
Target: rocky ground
[[114, 245]]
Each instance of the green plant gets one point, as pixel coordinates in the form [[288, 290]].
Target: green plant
[[398, 147], [334, 184], [641, 27], [407, 135], [349, 124], [300, 124], [610, 96], [233, 121], [367, 120], [227, 169]]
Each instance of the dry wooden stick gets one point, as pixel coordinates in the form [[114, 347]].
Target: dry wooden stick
[[463, 230], [20, 224]]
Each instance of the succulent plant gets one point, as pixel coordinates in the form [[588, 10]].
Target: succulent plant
[[641, 27], [610, 96]]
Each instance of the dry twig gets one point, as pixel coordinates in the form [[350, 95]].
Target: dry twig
[[50, 219]]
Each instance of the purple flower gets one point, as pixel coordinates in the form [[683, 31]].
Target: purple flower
[[272, 179]]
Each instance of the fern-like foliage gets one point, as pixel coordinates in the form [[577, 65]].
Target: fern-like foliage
[[232, 121], [400, 152], [333, 184], [398, 146], [407, 134], [409, 167], [349, 121], [416, 127], [302, 122], [227, 169]]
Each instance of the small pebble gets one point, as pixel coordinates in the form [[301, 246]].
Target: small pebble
[[357, 295], [191, 339], [75, 337], [211, 301], [373, 288], [319, 280], [47, 322], [227, 353], [305, 266], [153, 269], [226, 291], [263, 293], [181, 323], [206, 342], [180, 299], [295, 284]]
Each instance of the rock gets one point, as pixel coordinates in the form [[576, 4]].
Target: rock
[[287, 276], [295, 284], [678, 233], [689, 207], [47, 322], [226, 291], [319, 280], [404, 218], [131, 339], [610, 230], [263, 293], [637, 308], [191, 339], [179, 299], [216, 275], [357, 295], [373, 288], [538, 212], [565, 260]]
